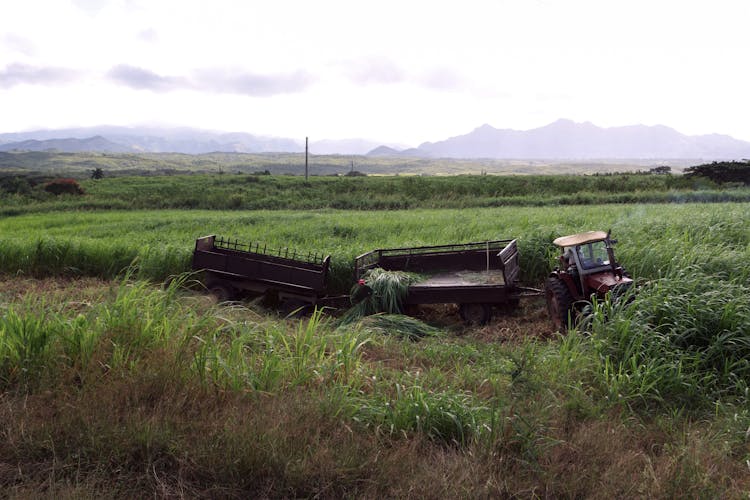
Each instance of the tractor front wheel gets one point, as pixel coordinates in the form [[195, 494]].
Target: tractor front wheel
[[559, 303]]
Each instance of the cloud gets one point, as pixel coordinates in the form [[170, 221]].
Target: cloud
[[148, 35], [19, 44], [382, 71], [19, 74], [143, 79], [374, 70], [443, 79], [252, 84], [212, 80], [90, 6]]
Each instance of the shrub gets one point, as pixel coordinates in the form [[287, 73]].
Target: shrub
[[63, 186], [722, 172], [15, 185]]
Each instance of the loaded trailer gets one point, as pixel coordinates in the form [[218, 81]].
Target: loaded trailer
[[479, 277]]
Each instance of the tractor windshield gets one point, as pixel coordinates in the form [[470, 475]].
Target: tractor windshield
[[593, 255]]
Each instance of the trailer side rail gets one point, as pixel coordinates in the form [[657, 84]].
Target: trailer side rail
[[261, 270], [469, 256], [214, 242]]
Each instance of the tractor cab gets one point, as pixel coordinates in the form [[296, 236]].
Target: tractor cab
[[587, 269], [587, 254]]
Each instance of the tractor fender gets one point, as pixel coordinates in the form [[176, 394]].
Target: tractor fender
[[603, 282]]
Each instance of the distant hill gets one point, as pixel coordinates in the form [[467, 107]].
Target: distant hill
[[342, 147], [561, 140], [384, 151], [164, 140], [71, 145], [387, 151], [565, 139]]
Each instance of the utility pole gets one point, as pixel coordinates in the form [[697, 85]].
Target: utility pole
[[305, 159]]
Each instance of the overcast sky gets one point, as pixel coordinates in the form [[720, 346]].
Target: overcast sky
[[394, 71]]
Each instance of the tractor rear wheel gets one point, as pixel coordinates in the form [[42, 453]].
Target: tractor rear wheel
[[559, 303]]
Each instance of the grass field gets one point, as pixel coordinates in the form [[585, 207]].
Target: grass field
[[113, 387], [654, 239], [81, 164], [256, 192]]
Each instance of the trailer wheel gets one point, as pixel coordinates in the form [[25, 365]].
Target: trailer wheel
[[510, 306], [475, 314], [222, 292], [295, 308], [559, 303]]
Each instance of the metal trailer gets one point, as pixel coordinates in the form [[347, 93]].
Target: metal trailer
[[231, 268], [477, 276]]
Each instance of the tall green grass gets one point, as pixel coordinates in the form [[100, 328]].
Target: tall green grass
[[447, 417], [251, 192], [36, 340], [654, 239], [24, 345], [139, 320], [683, 341], [268, 358]]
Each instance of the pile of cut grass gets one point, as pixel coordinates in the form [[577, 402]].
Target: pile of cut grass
[[384, 293], [397, 325]]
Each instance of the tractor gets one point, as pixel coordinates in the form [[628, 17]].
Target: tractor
[[587, 271]]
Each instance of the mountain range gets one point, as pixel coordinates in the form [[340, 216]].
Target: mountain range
[[563, 139], [145, 140]]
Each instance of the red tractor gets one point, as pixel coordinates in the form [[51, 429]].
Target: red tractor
[[587, 269]]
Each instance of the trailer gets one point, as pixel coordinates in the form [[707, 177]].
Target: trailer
[[479, 277], [233, 268]]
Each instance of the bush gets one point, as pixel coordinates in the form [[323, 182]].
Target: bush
[[63, 186], [15, 185], [722, 172]]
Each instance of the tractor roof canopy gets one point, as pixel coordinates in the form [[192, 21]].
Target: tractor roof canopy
[[580, 239]]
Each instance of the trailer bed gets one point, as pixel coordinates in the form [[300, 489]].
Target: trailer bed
[[469, 273], [235, 267], [463, 278]]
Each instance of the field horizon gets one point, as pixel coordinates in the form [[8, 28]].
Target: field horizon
[[81, 164]]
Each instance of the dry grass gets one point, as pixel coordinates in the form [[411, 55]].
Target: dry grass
[[528, 321], [157, 430], [183, 442], [60, 289]]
